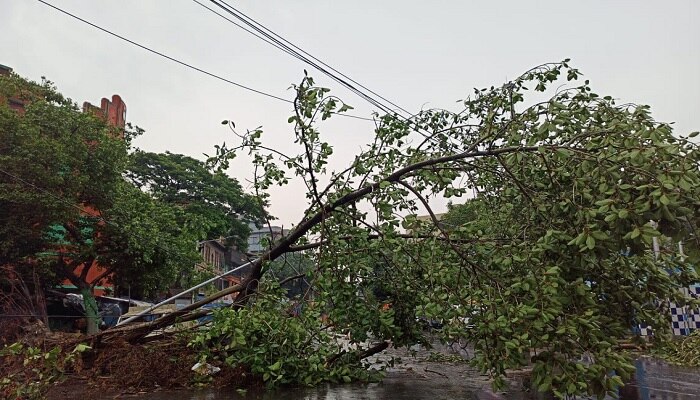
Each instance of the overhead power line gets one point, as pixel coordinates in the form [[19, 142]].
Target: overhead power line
[[270, 37], [175, 60], [295, 51], [164, 55], [276, 40]]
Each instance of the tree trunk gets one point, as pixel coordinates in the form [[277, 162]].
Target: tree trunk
[[92, 317]]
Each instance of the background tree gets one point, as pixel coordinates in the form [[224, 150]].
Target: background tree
[[64, 205], [55, 160], [50, 163], [211, 204], [474, 210], [141, 246]]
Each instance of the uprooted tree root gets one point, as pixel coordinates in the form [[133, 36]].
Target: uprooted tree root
[[119, 367]]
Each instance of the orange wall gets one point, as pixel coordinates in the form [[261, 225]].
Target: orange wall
[[96, 269]]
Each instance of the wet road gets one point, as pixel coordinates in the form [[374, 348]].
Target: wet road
[[386, 390], [654, 380]]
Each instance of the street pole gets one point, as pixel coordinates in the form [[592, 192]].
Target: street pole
[[166, 301]]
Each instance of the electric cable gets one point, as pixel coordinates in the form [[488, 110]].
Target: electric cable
[[281, 43], [175, 60], [276, 40], [223, 4]]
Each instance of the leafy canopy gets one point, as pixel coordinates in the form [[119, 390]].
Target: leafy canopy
[[50, 164], [552, 264], [64, 203], [211, 204]]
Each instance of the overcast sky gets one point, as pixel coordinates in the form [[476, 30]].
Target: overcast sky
[[416, 53]]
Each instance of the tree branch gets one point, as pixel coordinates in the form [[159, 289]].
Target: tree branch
[[436, 223], [283, 246], [291, 278]]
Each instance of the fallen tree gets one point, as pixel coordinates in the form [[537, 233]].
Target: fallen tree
[[554, 268]]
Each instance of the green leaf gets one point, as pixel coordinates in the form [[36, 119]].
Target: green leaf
[[635, 233], [590, 242], [81, 347], [276, 366]]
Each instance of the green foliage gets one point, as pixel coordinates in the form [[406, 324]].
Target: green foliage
[[549, 266], [296, 269], [145, 239], [682, 351], [64, 202], [29, 371], [278, 348], [210, 204], [52, 147]]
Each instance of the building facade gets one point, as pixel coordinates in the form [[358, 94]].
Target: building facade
[[113, 112], [215, 256], [261, 237]]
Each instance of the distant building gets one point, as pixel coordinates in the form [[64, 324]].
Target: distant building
[[15, 102], [113, 112], [213, 253], [257, 244], [236, 258], [222, 258], [261, 237]]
